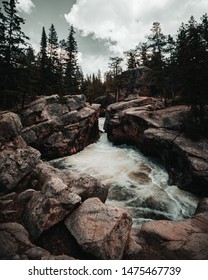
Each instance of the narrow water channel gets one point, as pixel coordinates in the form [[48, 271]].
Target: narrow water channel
[[137, 183]]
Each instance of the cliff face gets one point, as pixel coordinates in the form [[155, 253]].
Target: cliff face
[[158, 131], [60, 127]]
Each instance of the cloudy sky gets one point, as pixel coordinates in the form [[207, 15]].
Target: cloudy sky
[[106, 28]]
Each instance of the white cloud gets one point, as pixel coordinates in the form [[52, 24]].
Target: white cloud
[[127, 21], [25, 6], [91, 63]]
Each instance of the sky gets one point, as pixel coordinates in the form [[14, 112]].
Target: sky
[[106, 28]]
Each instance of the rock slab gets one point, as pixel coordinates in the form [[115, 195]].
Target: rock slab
[[100, 229]]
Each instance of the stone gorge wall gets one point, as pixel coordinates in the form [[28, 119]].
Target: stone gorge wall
[[158, 131]]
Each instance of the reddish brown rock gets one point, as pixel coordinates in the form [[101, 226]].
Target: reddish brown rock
[[186, 239], [158, 132], [60, 126], [100, 229]]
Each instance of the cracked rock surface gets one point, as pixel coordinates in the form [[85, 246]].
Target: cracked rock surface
[[100, 229]]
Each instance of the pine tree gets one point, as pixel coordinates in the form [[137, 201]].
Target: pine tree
[[43, 60], [131, 57], [116, 69], [156, 44], [52, 51], [71, 81], [29, 76], [12, 50]]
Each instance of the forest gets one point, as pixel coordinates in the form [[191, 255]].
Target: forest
[[177, 67]]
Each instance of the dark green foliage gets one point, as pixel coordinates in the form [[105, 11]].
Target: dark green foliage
[[12, 42], [93, 87], [72, 82]]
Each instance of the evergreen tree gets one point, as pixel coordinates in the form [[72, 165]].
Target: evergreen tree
[[156, 45], [53, 63], [43, 60], [131, 57], [29, 76], [12, 42], [116, 69], [71, 81]]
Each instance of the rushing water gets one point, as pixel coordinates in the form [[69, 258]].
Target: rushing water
[[136, 183]]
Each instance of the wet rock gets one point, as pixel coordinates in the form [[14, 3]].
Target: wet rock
[[186, 161], [159, 132], [60, 126], [140, 177], [202, 206], [186, 239], [100, 229]]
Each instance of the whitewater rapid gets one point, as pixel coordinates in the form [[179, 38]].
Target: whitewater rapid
[[137, 183]]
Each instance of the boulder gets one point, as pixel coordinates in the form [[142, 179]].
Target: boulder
[[100, 229], [45, 176], [10, 127], [15, 245], [15, 164], [186, 239], [16, 159], [59, 127], [14, 240], [48, 208]]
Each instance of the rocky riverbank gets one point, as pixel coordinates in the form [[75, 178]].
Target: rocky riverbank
[[158, 131], [48, 213]]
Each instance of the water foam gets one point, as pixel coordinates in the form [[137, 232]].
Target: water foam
[[137, 183]]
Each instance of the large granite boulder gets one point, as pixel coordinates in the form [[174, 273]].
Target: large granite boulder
[[16, 159], [158, 131], [60, 126], [48, 208], [186, 239], [100, 229]]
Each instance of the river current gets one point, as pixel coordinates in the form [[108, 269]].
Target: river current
[[137, 183]]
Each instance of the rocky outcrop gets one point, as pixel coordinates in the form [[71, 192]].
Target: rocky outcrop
[[100, 229], [178, 240], [16, 158], [36, 197], [60, 126], [158, 131]]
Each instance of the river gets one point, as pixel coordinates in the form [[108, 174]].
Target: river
[[137, 183]]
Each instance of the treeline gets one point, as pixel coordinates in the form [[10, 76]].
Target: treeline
[[176, 68], [54, 70]]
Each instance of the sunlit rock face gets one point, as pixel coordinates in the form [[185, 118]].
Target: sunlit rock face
[[60, 126]]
